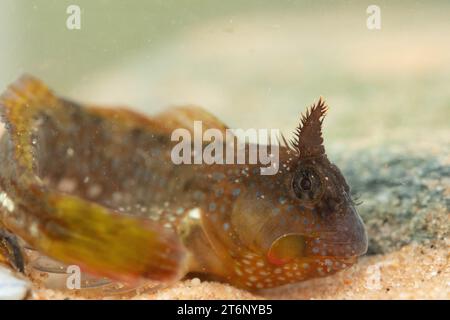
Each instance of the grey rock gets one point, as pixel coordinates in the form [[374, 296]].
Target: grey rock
[[404, 194]]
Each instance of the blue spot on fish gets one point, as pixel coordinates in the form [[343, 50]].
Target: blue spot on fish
[[236, 192], [219, 192]]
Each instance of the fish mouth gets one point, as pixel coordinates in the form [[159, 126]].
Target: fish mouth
[[300, 247], [345, 240], [321, 248], [348, 238]]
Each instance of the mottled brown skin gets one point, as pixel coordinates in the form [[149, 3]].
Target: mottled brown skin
[[249, 218], [106, 176]]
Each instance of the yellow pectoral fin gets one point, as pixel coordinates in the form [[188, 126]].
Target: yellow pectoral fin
[[108, 244]]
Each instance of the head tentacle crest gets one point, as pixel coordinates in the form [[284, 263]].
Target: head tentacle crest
[[308, 140]]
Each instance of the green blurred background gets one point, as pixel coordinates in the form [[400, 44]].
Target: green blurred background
[[252, 63]]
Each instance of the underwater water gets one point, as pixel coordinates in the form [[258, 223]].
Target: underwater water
[[259, 64]]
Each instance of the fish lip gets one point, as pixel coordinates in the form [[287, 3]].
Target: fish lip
[[343, 259], [341, 250], [352, 244], [357, 238], [363, 240]]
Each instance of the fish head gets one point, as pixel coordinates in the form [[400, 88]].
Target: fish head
[[303, 213]]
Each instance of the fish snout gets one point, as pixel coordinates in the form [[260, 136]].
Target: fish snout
[[347, 238], [357, 234]]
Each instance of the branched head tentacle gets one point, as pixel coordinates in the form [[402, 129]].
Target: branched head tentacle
[[288, 144], [308, 139]]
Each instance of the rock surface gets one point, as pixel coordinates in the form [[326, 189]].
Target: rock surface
[[404, 193]]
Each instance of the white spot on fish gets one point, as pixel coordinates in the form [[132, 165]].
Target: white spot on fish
[[94, 191], [6, 202], [70, 152], [67, 185], [34, 230], [194, 213]]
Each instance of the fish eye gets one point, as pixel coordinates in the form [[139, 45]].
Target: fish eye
[[307, 184]]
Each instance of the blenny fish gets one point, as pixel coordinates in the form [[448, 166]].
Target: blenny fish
[[95, 187]]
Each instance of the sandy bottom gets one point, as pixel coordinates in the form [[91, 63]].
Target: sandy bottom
[[413, 272]]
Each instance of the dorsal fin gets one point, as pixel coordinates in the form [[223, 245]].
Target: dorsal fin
[[184, 117]]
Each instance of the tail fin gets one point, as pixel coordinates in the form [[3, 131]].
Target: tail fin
[[66, 227]]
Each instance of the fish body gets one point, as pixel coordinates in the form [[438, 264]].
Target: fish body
[[98, 188]]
